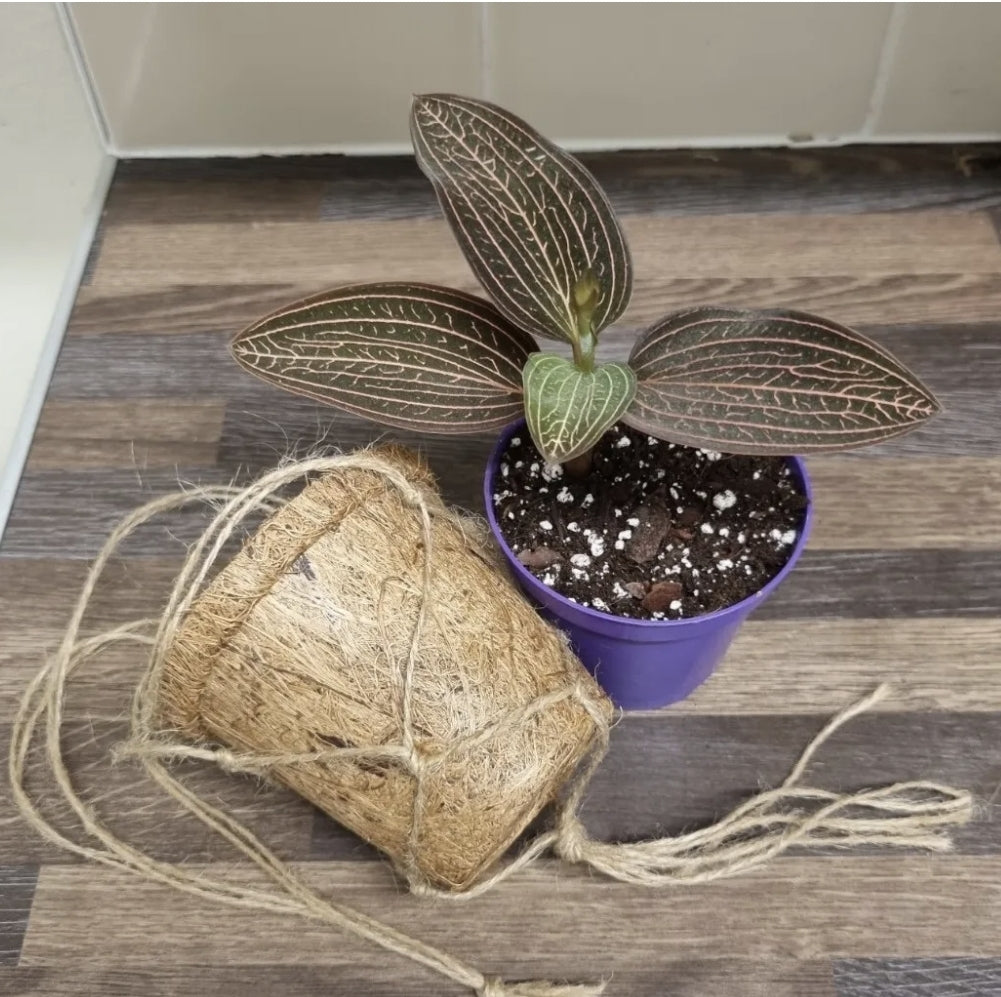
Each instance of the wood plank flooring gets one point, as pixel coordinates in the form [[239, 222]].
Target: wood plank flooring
[[902, 582]]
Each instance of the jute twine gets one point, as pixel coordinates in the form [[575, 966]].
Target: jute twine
[[909, 814]]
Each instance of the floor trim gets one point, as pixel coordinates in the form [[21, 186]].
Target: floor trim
[[73, 267]]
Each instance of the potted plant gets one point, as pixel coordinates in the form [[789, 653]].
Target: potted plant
[[646, 506]]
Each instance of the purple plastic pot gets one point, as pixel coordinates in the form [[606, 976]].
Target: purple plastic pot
[[641, 664]]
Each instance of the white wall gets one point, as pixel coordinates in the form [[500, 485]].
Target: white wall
[[205, 78], [53, 175]]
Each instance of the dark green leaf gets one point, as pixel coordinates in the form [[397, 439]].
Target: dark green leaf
[[777, 382], [568, 409], [409, 355], [530, 219]]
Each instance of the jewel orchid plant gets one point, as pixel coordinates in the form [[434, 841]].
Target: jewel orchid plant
[[541, 237]]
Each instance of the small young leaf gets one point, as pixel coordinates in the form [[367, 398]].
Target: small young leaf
[[408, 355], [778, 382], [530, 219], [567, 409]]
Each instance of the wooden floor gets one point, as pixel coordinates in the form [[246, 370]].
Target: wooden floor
[[901, 582]]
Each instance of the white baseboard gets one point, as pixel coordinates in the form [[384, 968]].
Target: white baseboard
[[41, 333], [54, 174], [578, 145]]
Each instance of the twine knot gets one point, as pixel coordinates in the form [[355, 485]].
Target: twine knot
[[597, 709], [571, 839], [493, 986], [421, 759]]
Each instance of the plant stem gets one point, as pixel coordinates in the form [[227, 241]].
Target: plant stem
[[583, 351], [583, 302]]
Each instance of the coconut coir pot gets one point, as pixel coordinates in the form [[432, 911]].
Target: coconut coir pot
[[304, 642]]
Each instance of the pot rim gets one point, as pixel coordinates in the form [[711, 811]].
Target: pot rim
[[574, 608]]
